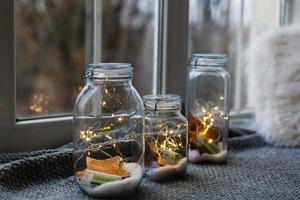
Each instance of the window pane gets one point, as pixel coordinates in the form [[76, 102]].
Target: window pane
[[54, 40], [224, 26], [213, 29], [128, 36], [49, 55]]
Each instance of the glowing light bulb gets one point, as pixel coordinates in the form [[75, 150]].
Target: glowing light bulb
[[120, 119], [108, 137]]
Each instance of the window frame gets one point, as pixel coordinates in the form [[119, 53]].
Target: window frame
[[170, 54], [55, 131], [28, 134]]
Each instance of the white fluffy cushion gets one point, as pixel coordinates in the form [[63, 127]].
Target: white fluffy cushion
[[274, 85]]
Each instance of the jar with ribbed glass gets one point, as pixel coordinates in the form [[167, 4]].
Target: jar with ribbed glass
[[165, 137], [207, 107], [108, 132]]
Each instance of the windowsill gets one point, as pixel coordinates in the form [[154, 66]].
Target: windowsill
[[243, 119]]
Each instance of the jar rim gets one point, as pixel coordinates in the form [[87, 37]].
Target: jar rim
[[162, 102], [108, 70], [208, 60]]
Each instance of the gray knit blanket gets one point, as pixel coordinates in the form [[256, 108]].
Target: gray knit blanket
[[254, 171]]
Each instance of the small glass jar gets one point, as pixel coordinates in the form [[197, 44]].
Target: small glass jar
[[165, 137], [207, 107], [108, 132]]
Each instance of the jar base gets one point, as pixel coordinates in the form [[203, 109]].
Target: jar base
[[169, 171], [119, 187], [196, 157]]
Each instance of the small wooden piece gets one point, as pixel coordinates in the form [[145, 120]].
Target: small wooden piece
[[111, 166]]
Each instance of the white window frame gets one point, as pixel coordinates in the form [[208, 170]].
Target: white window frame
[[52, 132], [28, 134]]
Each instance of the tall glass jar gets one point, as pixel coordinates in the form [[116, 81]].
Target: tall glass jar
[[108, 132], [208, 107], [165, 137]]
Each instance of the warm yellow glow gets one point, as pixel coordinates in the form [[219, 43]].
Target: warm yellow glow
[[208, 115], [106, 128], [79, 88], [39, 103], [168, 139], [108, 137], [87, 135], [98, 131], [120, 119], [103, 103], [221, 98]]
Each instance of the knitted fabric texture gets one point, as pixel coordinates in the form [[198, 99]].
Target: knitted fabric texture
[[254, 171]]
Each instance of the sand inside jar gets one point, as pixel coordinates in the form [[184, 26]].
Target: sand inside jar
[[195, 156], [169, 171], [119, 187]]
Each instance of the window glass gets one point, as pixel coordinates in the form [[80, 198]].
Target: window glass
[[54, 41], [128, 36], [224, 26], [213, 29]]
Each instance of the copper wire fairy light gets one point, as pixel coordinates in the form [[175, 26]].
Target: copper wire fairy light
[[208, 115], [167, 138], [172, 141], [108, 133], [206, 127], [97, 130]]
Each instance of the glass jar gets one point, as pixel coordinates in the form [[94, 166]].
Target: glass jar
[[108, 132], [207, 107], [165, 137]]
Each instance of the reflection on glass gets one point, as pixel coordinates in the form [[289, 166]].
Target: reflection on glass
[[227, 27], [214, 28], [49, 53], [127, 36], [54, 41]]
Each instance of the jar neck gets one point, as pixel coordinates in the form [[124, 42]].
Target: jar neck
[[209, 68], [114, 81], [210, 62], [164, 112]]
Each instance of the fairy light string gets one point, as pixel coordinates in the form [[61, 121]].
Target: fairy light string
[[209, 114], [167, 138], [101, 136], [207, 124]]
